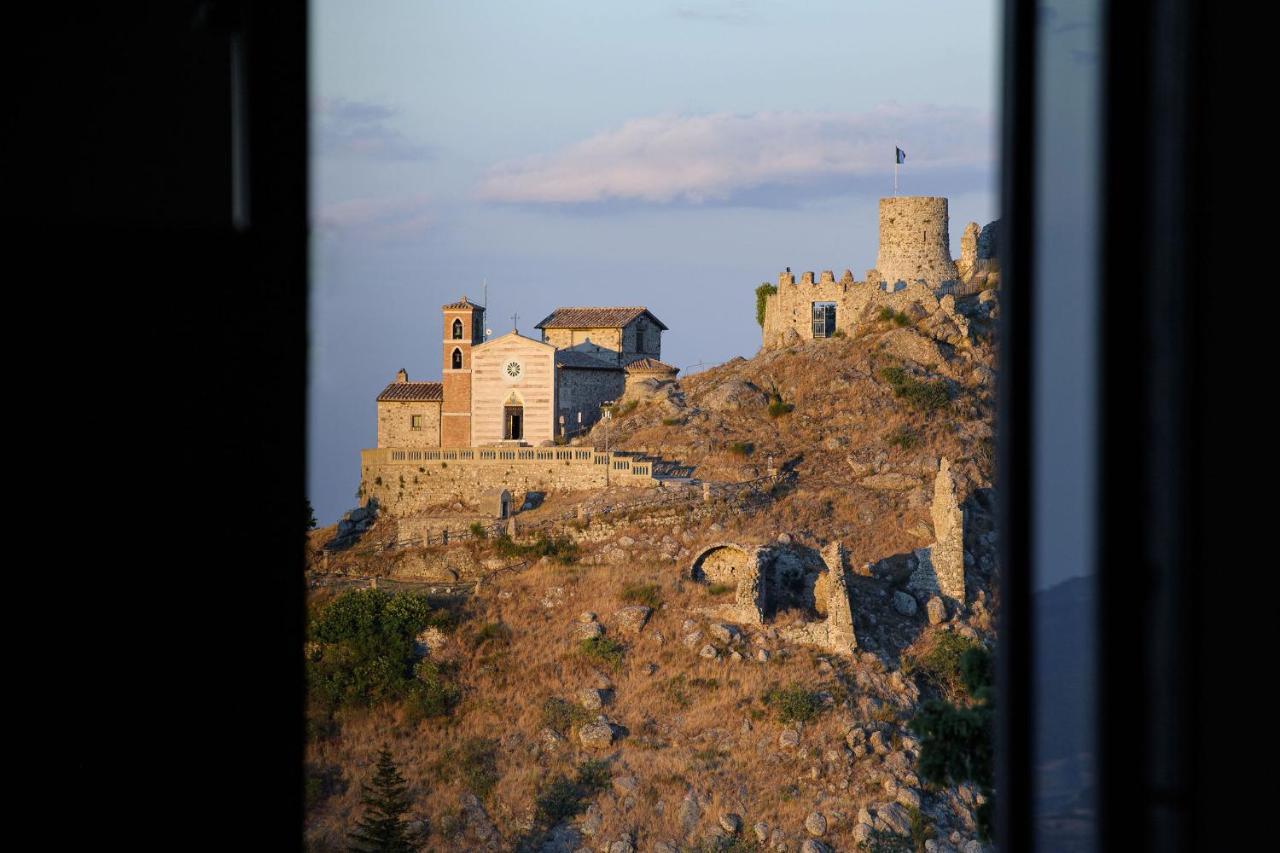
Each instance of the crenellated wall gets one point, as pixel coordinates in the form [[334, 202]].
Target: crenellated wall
[[788, 314]]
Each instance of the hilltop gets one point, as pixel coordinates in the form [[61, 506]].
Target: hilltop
[[578, 690]]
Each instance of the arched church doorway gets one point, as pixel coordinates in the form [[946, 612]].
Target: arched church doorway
[[513, 422], [513, 418]]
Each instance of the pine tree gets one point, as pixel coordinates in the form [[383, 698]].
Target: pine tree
[[382, 829]]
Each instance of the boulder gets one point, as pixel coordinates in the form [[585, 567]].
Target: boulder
[[690, 812], [632, 619], [936, 610], [589, 630], [724, 633], [592, 820], [730, 822], [815, 824], [910, 345], [904, 603], [734, 394], [597, 735], [591, 699], [892, 817]]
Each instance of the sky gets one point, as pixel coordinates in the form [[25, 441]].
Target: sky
[[667, 154]]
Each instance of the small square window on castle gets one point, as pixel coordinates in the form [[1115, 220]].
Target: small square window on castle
[[415, 422]]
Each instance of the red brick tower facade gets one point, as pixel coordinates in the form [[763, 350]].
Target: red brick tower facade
[[463, 329]]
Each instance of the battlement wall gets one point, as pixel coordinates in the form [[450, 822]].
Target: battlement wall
[[405, 480], [915, 241], [788, 314]]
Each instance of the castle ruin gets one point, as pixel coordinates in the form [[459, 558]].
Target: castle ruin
[[914, 270]]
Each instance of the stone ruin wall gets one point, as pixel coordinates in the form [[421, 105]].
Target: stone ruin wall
[[751, 571], [940, 567]]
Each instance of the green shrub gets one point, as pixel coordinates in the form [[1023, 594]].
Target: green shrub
[[561, 715], [558, 801], [561, 549], [903, 438], [741, 448], [494, 632], [432, 694], [562, 798], [898, 318], [593, 775], [670, 421], [720, 588], [366, 647], [763, 292], [474, 763], [604, 650], [925, 396], [792, 704], [942, 663], [777, 408], [649, 594], [478, 530]]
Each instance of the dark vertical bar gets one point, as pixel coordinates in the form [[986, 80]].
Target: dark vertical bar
[[1146, 769], [1014, 431]]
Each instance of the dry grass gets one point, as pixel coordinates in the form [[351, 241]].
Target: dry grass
[[692, 722]]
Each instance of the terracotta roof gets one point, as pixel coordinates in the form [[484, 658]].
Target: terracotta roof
[[595, 318], [412, 392], [462, 303], [650, 365], [573, 358]]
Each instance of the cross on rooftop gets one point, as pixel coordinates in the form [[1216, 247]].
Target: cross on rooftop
[[514, 320]]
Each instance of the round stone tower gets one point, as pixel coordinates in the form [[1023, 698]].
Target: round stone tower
[[914, 240]]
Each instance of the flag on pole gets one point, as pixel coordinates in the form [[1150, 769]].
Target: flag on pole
[[899, 156]]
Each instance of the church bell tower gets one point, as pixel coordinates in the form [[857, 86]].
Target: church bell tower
[[463, 329]]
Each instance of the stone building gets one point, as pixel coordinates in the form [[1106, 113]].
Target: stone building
[[913, 268], [516, 389]]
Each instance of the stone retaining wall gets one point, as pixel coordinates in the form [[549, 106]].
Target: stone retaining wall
[[406, 480]]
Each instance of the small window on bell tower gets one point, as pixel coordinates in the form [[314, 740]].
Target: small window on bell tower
[[457, 359], [457, 330]]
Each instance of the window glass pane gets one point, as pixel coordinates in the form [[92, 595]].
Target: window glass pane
[[1068, 42]]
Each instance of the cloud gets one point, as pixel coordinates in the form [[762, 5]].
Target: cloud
[[378, 219], [360, 129], [765, 158]]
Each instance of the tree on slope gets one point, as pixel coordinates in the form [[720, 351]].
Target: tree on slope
[[382, 829]]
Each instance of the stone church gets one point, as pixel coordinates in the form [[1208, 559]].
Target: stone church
[[516, 389]]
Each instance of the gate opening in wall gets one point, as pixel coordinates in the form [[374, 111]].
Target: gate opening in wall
[[824, 319]]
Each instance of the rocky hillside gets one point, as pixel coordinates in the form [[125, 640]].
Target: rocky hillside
[[857, 423], [589, 697]]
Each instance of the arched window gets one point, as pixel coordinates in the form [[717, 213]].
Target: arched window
[[457, 359], [457, 330]]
